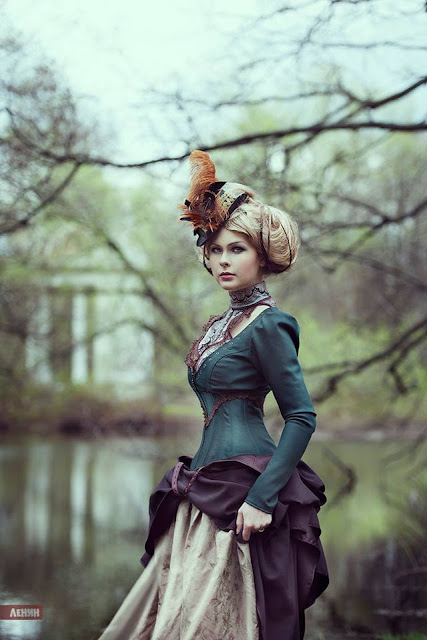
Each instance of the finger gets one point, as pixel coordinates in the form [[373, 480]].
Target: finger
[[246, 533], [239, 522]]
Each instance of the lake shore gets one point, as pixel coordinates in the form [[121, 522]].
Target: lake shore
[[158, 424]]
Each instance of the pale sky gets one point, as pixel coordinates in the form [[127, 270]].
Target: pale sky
[[117, 40], [110, 50]]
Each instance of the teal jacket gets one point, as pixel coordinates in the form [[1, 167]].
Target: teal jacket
[[232, 384]]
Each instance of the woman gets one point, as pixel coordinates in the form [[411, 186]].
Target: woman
[[233, 549]]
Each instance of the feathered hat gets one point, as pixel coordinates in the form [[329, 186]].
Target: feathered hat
[[209, 203]]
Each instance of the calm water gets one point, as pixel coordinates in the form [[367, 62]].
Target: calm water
[[74, 516]]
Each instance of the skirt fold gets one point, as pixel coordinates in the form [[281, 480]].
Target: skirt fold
[[202, 581], [199, 585]]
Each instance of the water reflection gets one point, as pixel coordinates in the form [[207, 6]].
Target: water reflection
[[374, 532], [74, 516]]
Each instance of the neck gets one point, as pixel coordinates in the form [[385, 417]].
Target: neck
[[248, 296]]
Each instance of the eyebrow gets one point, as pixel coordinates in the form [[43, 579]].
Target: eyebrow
[[214, 244]]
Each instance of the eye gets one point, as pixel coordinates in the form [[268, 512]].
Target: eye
[[239, 249]]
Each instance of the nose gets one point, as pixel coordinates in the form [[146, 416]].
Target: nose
[[224, 261], [225, 256]]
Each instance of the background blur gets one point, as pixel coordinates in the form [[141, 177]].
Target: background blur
[[320, 106]]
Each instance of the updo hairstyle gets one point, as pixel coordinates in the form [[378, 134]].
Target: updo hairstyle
[[274, 234]]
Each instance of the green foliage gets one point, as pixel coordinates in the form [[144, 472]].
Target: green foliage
[[43, 408], [67, 408], [354, 290], [409, 636], [370, 396]]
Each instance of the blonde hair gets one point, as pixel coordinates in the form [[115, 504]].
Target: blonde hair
[[268, 228]]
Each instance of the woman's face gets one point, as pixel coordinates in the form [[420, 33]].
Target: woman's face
[[233, 252]]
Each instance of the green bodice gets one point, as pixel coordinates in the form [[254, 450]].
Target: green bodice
[[232, 384]]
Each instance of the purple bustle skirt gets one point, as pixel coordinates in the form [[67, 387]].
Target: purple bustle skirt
[[202, 581]]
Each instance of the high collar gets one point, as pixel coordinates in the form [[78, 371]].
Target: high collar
[[249, 296]]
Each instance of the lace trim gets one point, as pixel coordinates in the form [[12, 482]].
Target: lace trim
[[175, 476], [255, 398], [248, 296], [192, 479], [193, 356]]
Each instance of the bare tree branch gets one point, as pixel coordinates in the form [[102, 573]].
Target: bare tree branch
[[147, 290], [401, 346], [236, 142], [23, 222], [378, 265]]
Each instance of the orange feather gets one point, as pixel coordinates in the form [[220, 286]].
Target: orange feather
[[203, 173]]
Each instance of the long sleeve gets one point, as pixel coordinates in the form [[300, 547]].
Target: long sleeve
[[274, 348]]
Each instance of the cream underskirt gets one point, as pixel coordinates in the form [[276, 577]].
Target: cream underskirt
[[198, 585]]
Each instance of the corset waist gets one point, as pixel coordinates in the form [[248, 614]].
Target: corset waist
[[255, 398]]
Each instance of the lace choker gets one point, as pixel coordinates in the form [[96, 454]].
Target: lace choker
[[217, 329], [254, 294]]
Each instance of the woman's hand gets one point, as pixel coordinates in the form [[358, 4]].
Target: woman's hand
[[251, 520]]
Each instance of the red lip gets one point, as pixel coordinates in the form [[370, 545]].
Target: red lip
[[226, 274]]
